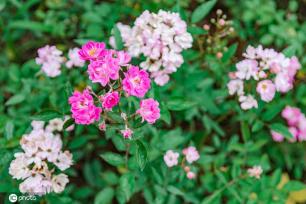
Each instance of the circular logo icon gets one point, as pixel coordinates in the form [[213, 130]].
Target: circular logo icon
[[13, 198]]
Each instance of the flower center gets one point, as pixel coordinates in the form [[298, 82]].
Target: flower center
[[92, 52]]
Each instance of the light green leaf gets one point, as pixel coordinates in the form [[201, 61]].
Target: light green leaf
[[113, 158], [201, 11], [15, 99], [105, 196], [141, 154], [47, 115], [281, 129]]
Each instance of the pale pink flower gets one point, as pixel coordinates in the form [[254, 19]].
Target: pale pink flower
[[191, 175], [292, 115], [171, 158], [83, 108], [51, 59], [235, 86], [19, 166], [127, 133], [247, 102], [110, 100], [64, 160], [136, 82], [295, 133], [149, 110], [37, 124], [55, 124], [255, 172], [74, 58], [283, 82], [277, 137], [102, 126], [266, 89], [191, 154], [247, 69], [59, 182], [302, 123], [92, 50]]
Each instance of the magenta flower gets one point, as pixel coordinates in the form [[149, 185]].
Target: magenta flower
[[103, 71], [92, 50], [110, 100], [83, 108], [149, 110], [266, 89], [136, 82]]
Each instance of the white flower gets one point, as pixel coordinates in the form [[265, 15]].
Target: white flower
[[19, 167], [247, 69], [37, 124], [235, 86], [59, 182], [55, 124], [248, 102], [64, 160]]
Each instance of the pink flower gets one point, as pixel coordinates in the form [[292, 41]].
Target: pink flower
[[191, 154], [110, 100], [92, 50], [283, 82], [83, 108], [255, 172], [102, 126], [149, 110], [191, 175], [247, 102], [171, 158], [127, 133], [246, 69], [123, 58], [102, 71], [266, 89], [74, 59], [294, 132], [136, 82], [292, 115], [277, 137], [235, 86]]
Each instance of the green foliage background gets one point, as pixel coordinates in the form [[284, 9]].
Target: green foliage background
[[196, 108]]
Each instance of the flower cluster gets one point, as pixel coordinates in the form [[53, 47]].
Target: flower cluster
[[51, 60], [111, 69], [160, 38], [42, 155], [217, 32], [272, 72], [296, 121], [191, 155]]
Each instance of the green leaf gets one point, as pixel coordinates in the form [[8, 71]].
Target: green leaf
[[47, 115], [294, 186], [201, 11], [230, 52], [281, 129], [175, 191], [113, 158], [15, 99], [245, 131], [179, 105], [141, 155], [127, 185], [9, 128], [31, 25], [68, 123], [118, 38], [105, 196]]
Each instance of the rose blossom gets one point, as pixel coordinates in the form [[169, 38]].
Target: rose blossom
[[191, 175], [255, 171], [171, 158], [149, 110], [292, 115], [110, 100], [277, 137], [136, 82], [74, 59], [266, 89], [127, 133], [247, 102], [83, 108], [92, 50], [191, 154], [235, 86]]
